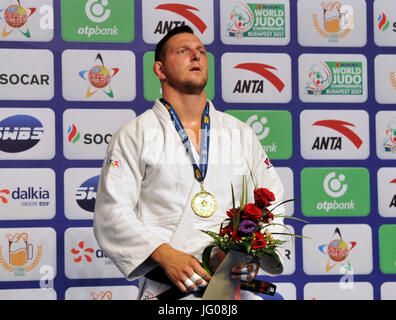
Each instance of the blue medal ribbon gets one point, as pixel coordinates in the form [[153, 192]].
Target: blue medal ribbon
[[199, 171]]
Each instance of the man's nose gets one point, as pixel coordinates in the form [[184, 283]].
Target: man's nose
[[195, 55]]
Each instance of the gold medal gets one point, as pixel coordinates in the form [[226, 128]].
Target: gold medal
[[204, 203]]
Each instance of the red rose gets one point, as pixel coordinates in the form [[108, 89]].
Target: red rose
[[251, 212], [230, 213], [259, 241], [263, 197]]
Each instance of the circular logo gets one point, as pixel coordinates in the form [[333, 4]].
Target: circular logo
[[338, 250], [99, 76], [20, 133], [15, 16], [86, 194]]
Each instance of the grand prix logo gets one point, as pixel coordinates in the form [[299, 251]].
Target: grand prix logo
[[99, 77], [341, 127], [15, 17], [185, 11], [264, 71]]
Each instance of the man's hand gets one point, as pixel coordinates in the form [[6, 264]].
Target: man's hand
[[245, 272], [183, 269]]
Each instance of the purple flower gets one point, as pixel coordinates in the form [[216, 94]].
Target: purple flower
[[247, 226]]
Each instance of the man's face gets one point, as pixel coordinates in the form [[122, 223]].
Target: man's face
[[185, 63]]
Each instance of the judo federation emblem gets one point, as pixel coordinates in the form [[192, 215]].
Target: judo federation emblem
[[15, 17], [99, 78], [338, 21], [389, 143], [337, 251], [20, 253]]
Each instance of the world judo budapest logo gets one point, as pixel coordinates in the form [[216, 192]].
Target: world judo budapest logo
[[99, 77], [337, 251], [257, 20], [335, 78], [389, 142], [337, 23], [335, 192], [16, 19], [21, 256]]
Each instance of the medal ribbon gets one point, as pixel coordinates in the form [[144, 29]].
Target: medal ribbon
[[199, 171]]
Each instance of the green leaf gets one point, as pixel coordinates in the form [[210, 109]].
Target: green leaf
[[206, 258]]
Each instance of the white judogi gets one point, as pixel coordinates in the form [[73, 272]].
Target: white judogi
[[147, 183]]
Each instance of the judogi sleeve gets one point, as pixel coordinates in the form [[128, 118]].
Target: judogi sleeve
[[118, 231]]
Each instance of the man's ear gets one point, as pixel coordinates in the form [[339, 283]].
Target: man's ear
[[157, 68]]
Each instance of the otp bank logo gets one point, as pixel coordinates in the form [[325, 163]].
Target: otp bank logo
[[15, 17], [19, 133], [258, 78], [99, 77]]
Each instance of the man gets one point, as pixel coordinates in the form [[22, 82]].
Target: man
[[147, 217]]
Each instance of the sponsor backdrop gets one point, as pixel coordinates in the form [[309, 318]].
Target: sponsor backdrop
[[316, 80]]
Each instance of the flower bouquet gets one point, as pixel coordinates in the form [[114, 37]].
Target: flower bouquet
[[244, 237]]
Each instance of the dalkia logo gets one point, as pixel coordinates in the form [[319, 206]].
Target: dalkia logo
[[335, 143], [15, 17], [20, 133], [82, 253], [389, 142], [99, 77], [182, 10], [335, 78], [21, 256], [86, 194], [257, 86], [337, 251], [257, 20], [383, 22], [27, 196], [338, 21]]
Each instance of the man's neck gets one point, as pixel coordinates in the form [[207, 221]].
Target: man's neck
[[189, 108]]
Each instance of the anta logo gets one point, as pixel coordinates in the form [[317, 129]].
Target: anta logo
[[20, 133], [183, 10], [393, 201], [257, 86], [335, 143]]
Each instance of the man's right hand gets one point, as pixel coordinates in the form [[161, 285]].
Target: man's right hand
[[181, 267]]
